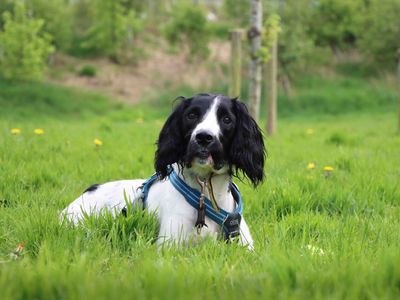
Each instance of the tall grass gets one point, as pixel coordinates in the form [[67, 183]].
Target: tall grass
[[317, 234]]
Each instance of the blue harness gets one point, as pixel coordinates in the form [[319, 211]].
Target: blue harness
[[230, 222]]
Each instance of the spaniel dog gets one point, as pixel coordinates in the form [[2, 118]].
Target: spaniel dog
[[207, 139]]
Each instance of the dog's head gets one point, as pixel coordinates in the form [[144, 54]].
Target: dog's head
[[211, 134]]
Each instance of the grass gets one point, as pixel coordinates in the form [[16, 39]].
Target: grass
[[351, 215]]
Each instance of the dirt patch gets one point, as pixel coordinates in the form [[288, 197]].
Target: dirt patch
[[134, 83]]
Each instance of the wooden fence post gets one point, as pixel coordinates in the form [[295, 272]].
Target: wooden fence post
[[271, 88], [255, 70], [236, 62]]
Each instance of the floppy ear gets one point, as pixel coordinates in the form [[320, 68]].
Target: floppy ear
[[247, 151], [170, 144]]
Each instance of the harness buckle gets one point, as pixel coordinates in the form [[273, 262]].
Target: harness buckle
[[231, 226]]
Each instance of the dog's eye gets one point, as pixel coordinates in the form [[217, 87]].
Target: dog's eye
[[227, 120], [192, 116]]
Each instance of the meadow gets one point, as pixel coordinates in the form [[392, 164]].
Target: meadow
[[318, 234]]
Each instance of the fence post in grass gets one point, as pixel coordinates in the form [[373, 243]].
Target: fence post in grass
[[255, 74], [236, 62], [271, 88]]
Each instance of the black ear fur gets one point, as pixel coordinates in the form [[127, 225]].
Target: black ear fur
[[247, 151], [170, 144]]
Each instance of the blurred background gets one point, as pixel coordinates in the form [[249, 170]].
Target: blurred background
[[86, 86], [334, 56]]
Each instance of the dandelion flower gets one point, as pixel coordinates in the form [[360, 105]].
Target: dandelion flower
[[311, 166], [15, 131], [20, 247], [17, 253], [310, 131], [98, 142], [38, 131], [328, 169]]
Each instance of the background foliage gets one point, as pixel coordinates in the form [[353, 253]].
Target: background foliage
[[24, 48], [317, 234], [312, 31]]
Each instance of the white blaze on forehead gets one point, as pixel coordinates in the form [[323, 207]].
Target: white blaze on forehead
[[210, 121]]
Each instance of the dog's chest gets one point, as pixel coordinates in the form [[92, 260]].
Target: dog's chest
[[176, 216]]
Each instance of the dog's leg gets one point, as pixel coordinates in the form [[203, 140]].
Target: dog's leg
[[174, 231], [245, 236]]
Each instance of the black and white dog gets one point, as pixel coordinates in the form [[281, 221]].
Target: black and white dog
[[206, 137]]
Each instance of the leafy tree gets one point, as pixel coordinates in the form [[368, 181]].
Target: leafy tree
[[270, 33], [295, 45], [113, 28], [5, 5], [82, 15], [188, 26], [379, 31], [24, 48], [333, 22], [237, 11], [57, 15]]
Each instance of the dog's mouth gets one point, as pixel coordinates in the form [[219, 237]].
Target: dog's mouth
[[207, 159], [204, 157]]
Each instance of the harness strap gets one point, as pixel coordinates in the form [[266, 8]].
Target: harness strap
[[192, 195], [146, 187], [230, 222]]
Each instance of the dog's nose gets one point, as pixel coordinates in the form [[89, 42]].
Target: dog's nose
[[204, 138]]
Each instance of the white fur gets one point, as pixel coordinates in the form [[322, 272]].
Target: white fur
[[176, 217], [209, 122]]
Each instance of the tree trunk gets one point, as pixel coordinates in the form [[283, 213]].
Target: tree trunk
[[272, 74], [254, 35], [236, 63]]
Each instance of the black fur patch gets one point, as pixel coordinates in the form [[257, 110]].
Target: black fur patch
[[92, 188], [241, 143]]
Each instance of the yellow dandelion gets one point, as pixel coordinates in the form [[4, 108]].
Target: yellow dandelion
[[311, 166], [310, 131], [38, 131], [15, 131], [139, 120], [98, 142], [328, 169]]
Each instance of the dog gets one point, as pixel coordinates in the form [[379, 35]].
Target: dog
[[206, 141]]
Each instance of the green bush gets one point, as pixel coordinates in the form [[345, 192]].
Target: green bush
[[113, 29], [188, 26], [379, 31], [24, 48], [333, 22], [88, 71], [57, 15], [238, 11], [219, 30]]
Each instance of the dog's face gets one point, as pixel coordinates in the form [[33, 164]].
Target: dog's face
[[212, 134]]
